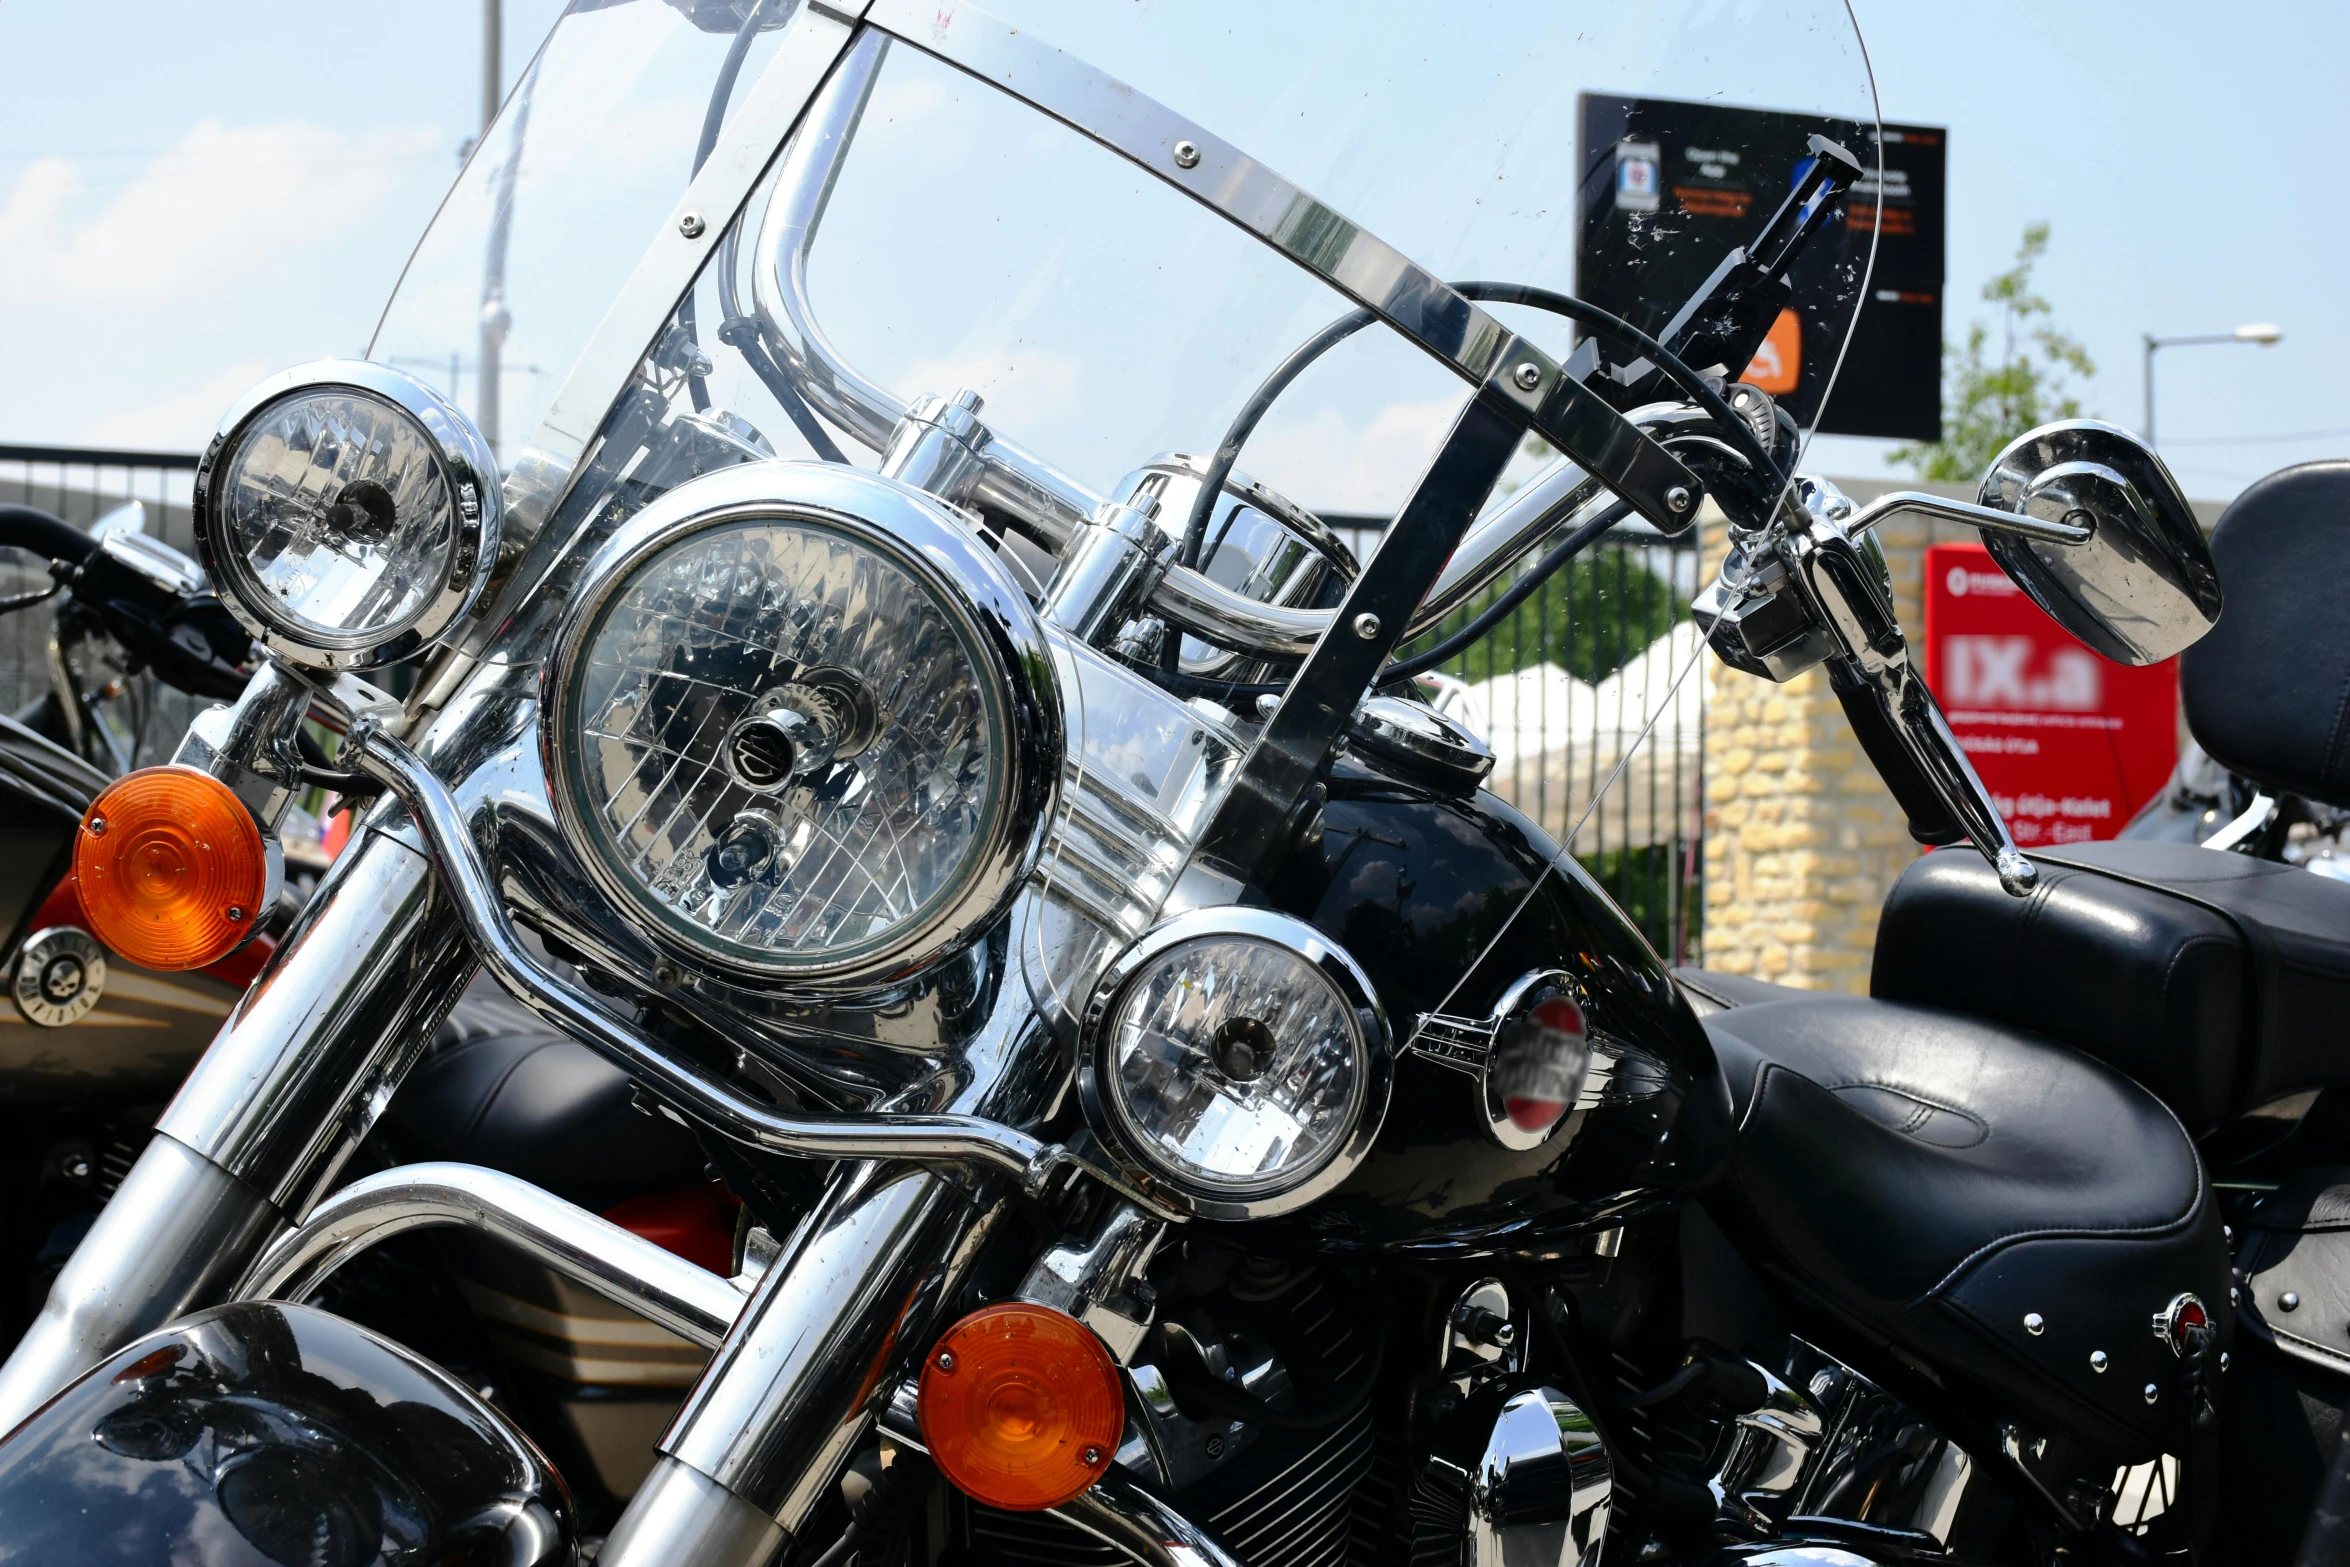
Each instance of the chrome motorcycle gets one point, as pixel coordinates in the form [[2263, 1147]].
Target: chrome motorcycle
[[1183, 1114]]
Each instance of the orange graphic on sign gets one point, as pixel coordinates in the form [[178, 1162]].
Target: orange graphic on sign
[[1778, 364]]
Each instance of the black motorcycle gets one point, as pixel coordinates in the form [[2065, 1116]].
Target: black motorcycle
[[1174, 1109]]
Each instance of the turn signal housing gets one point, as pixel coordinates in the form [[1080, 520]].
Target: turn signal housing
[[171, 868], [1021, 1406]]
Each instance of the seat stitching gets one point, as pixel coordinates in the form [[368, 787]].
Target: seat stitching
[[1922, 1099]]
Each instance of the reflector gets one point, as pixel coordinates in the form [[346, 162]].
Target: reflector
[[170, 868], [1021, 1406]]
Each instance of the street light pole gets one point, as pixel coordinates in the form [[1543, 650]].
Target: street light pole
[[490, 372], [2264, 333]]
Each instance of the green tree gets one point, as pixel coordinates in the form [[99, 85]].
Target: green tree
[[1591, 619], [1986, 403]]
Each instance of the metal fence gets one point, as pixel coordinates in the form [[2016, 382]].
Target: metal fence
[[1592, 696], [82, 484]]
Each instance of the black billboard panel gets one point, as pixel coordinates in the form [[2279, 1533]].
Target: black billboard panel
[[1669, 188]]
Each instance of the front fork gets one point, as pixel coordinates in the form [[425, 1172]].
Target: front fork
[[266, 1120], [792, 1391]]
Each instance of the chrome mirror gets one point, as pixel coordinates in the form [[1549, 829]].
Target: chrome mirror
[[2132, 576]]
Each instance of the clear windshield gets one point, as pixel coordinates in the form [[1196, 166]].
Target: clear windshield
[[930, 233]]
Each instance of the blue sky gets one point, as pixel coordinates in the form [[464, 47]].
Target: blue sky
[[191, 197]]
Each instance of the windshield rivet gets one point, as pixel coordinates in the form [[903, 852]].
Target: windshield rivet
[[1677, 497], [1186, 155], [2035, 1324], [690, 225], [2097, 1360], [1366, 625], [1528, 375]]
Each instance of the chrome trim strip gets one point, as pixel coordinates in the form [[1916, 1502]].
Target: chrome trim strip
[[540, 473], [624, 1268], [1355, 262]]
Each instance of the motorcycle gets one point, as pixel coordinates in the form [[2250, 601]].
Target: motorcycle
[[1175, 1110], [131, 612]]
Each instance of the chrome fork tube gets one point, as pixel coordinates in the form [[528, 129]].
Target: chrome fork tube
[[288, 1087], [763, 1435]]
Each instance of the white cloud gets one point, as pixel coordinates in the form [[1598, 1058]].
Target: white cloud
[[178, 421], [1328, 462], [221, 204]]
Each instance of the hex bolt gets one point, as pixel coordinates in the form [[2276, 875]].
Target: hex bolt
[[1678, 497], [691, 225], [77, 1167], [2035, 1324], [1528, 376], [2097, 1360], [1366, 625], [1186, 155], [2290, 1300]]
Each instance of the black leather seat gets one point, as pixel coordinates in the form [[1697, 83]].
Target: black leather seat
[[1931, 1180], [2219, 981], [498, 1087]]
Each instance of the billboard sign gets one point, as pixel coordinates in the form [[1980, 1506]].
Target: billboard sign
[[2069, 745], [1671, 187]]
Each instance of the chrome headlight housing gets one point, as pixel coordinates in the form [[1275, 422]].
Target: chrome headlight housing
[[800, 725], [347, 514], [1237, 1061]]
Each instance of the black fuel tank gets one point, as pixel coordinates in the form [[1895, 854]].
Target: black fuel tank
[[1424, 888], [257, 1435]]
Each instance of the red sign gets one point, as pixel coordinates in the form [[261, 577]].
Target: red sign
[[2069, 745]]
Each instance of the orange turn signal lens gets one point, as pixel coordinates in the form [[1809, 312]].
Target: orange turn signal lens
[[1021, 1406], [170, 868]]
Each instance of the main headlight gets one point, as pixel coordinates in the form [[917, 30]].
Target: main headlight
[[347, 513], [801, 725], [1236, 1059]]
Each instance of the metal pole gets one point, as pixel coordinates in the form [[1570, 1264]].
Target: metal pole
[[2152, 343], [489, 374], [493, 65]]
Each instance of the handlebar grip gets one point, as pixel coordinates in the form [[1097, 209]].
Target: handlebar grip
[[41, 533]]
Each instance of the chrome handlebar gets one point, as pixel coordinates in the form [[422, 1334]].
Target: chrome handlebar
[[918, 1139], [1047, 504], [1809, 589]]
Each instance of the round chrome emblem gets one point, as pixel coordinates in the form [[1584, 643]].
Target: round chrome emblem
[[60, 974], [1540, 1058]]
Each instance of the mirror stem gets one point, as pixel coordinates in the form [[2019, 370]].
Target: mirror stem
[[1972, 516]]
